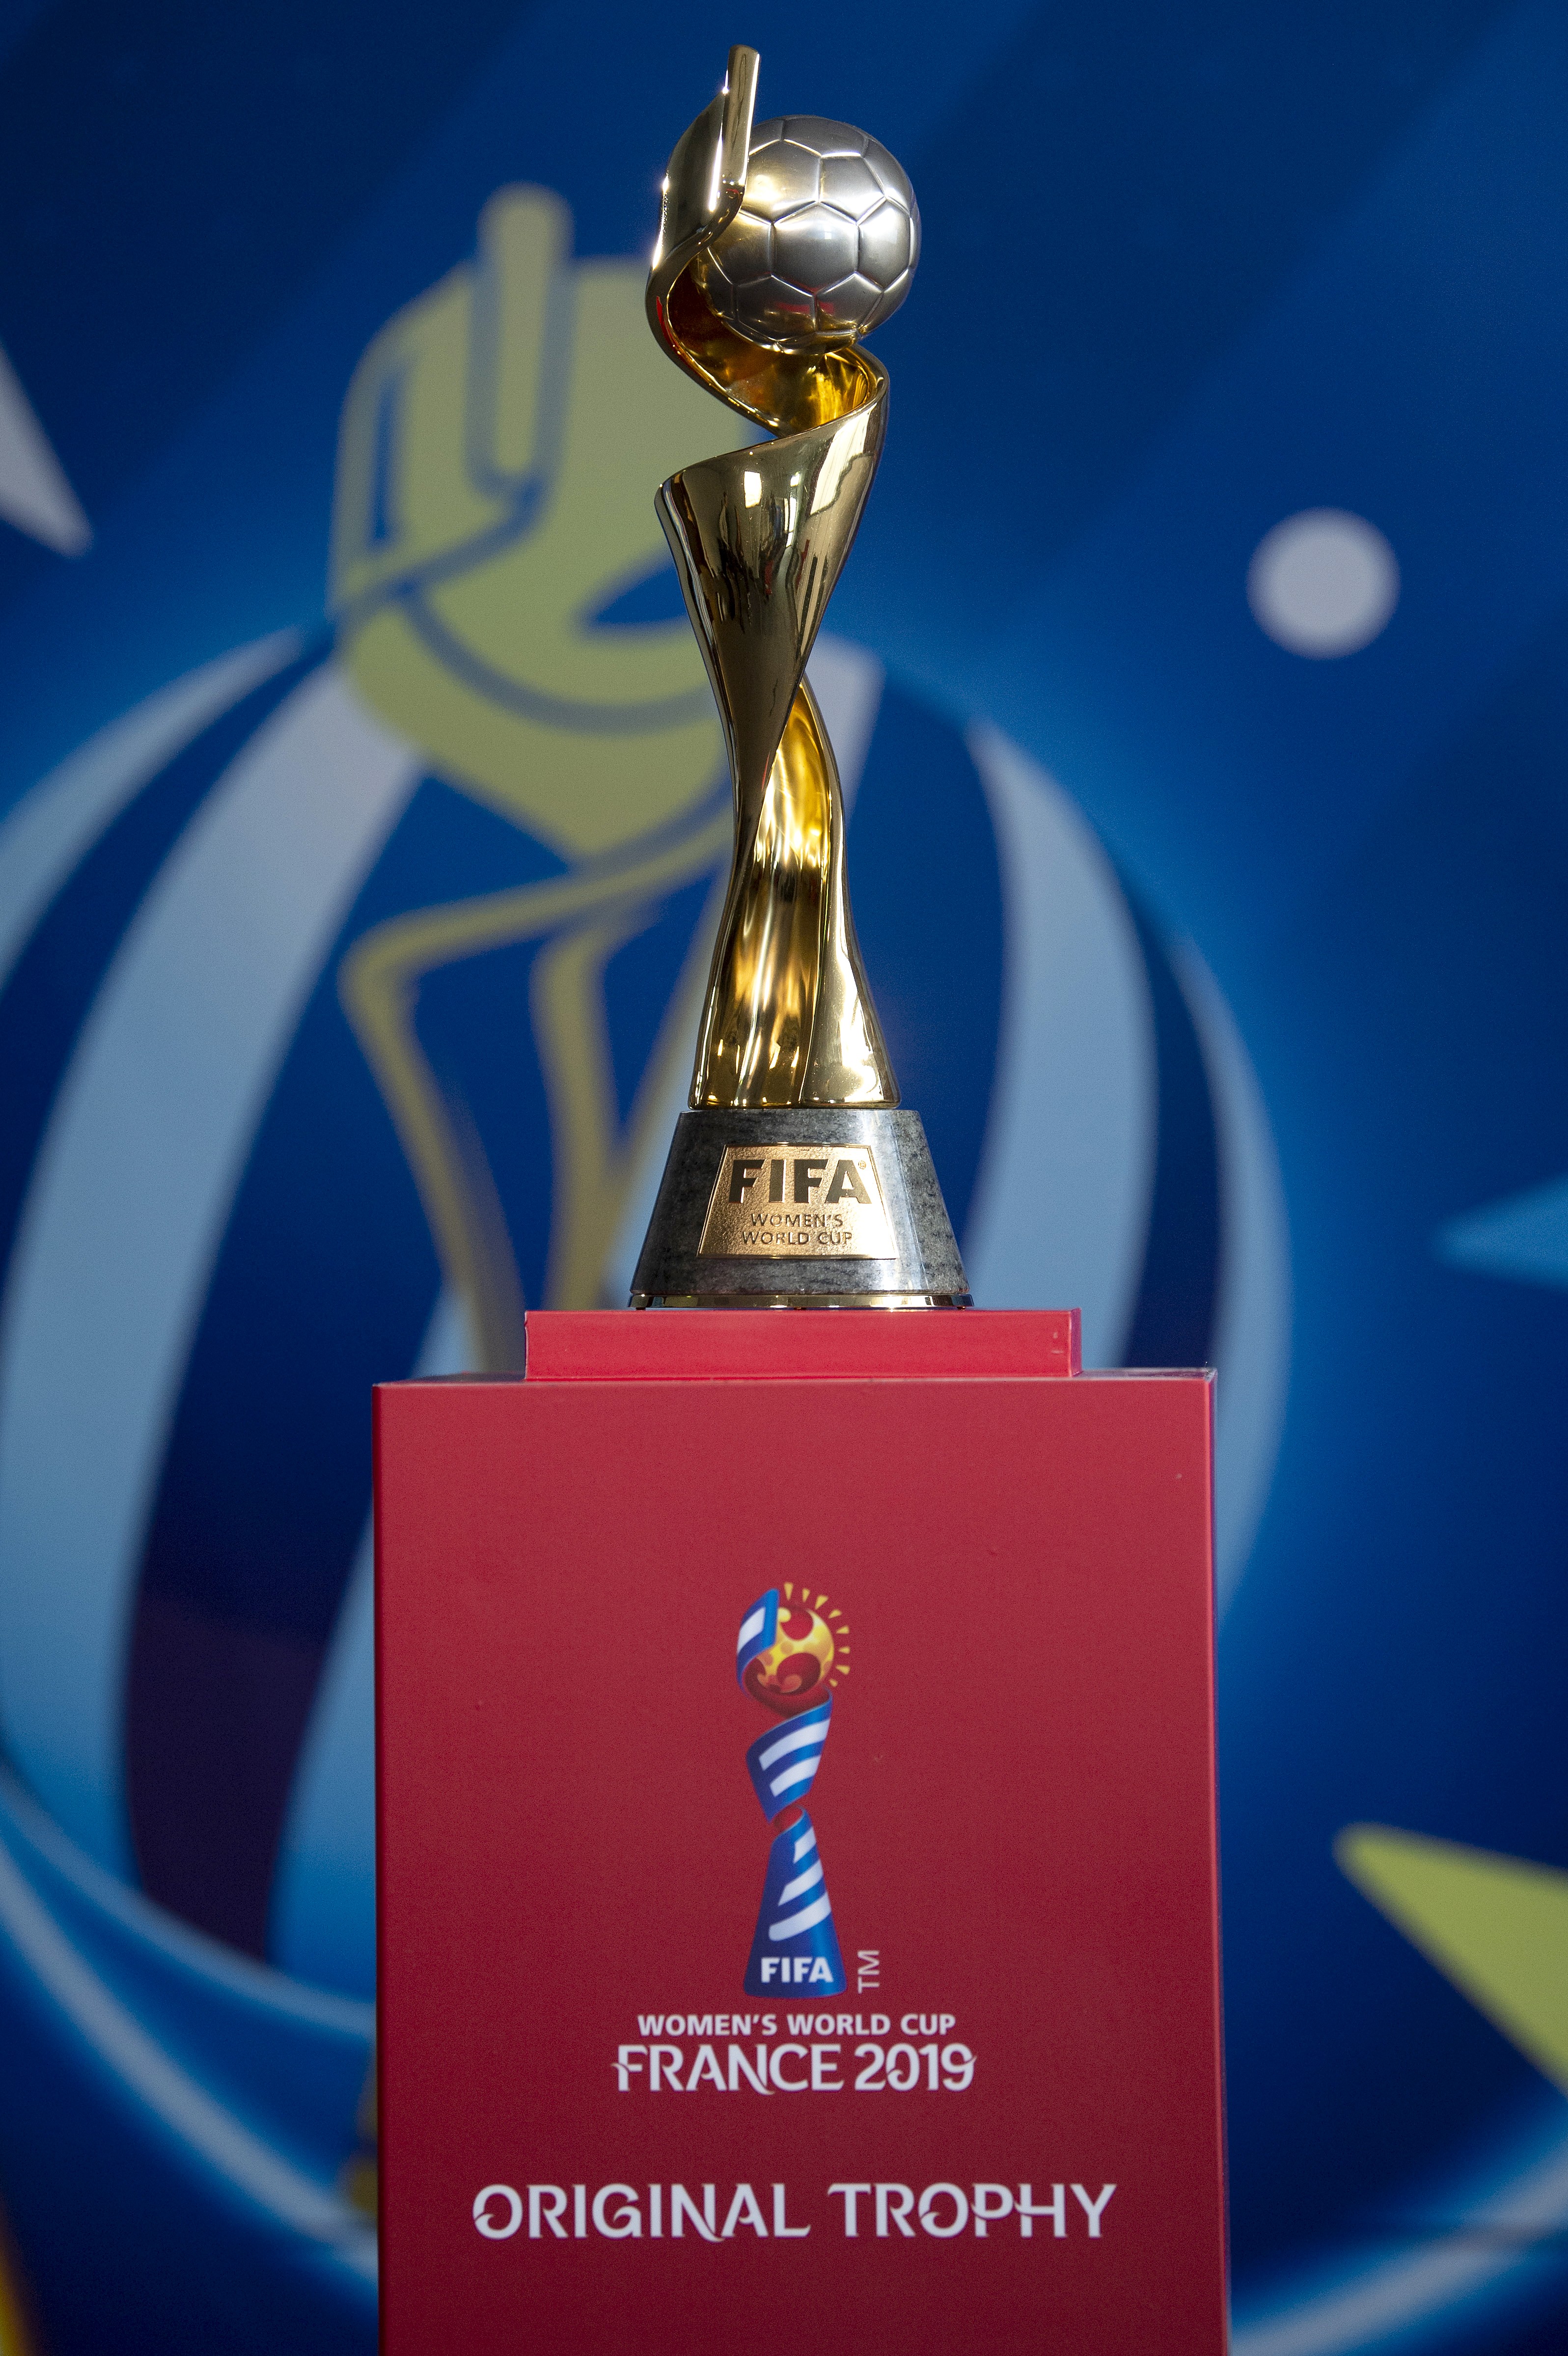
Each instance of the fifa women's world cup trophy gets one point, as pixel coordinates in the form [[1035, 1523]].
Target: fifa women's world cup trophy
[[795, 1180]]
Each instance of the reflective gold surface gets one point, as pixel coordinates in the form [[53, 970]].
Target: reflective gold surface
[[760, 537], [786, 1201]]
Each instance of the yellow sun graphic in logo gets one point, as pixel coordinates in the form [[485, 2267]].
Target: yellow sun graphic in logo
[[808, 1657]]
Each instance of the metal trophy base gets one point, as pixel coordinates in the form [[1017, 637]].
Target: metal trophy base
[[815, 1207]]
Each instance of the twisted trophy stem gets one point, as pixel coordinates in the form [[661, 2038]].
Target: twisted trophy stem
[[758, 537]]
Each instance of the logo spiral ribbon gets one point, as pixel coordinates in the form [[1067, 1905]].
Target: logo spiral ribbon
[[784, 1653]]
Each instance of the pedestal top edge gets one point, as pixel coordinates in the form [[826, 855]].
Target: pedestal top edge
[[728, 1344]]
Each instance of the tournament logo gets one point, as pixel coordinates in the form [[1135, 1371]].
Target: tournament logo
[[789, 1657], [497, 582]]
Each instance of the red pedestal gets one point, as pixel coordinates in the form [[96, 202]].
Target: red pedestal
[[1015, 1809]]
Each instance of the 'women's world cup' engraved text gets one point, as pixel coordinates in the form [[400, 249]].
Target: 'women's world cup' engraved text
[[783, 1201]]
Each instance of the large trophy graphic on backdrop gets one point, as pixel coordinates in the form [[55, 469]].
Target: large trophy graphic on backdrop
[[789, 1657], [794, 1179]]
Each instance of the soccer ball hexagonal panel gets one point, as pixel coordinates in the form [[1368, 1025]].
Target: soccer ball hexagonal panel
[[826, 241], [849, 183]]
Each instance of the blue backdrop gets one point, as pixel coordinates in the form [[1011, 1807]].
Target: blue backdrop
[[1200, 683]]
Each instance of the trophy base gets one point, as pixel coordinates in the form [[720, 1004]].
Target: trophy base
[[807, 1206]]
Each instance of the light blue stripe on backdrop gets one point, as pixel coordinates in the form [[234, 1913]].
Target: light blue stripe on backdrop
[[128, 1200]]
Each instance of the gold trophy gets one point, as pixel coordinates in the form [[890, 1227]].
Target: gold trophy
[[795, 1180]]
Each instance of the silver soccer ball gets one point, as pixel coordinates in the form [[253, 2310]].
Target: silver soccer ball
[[825, 243]]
